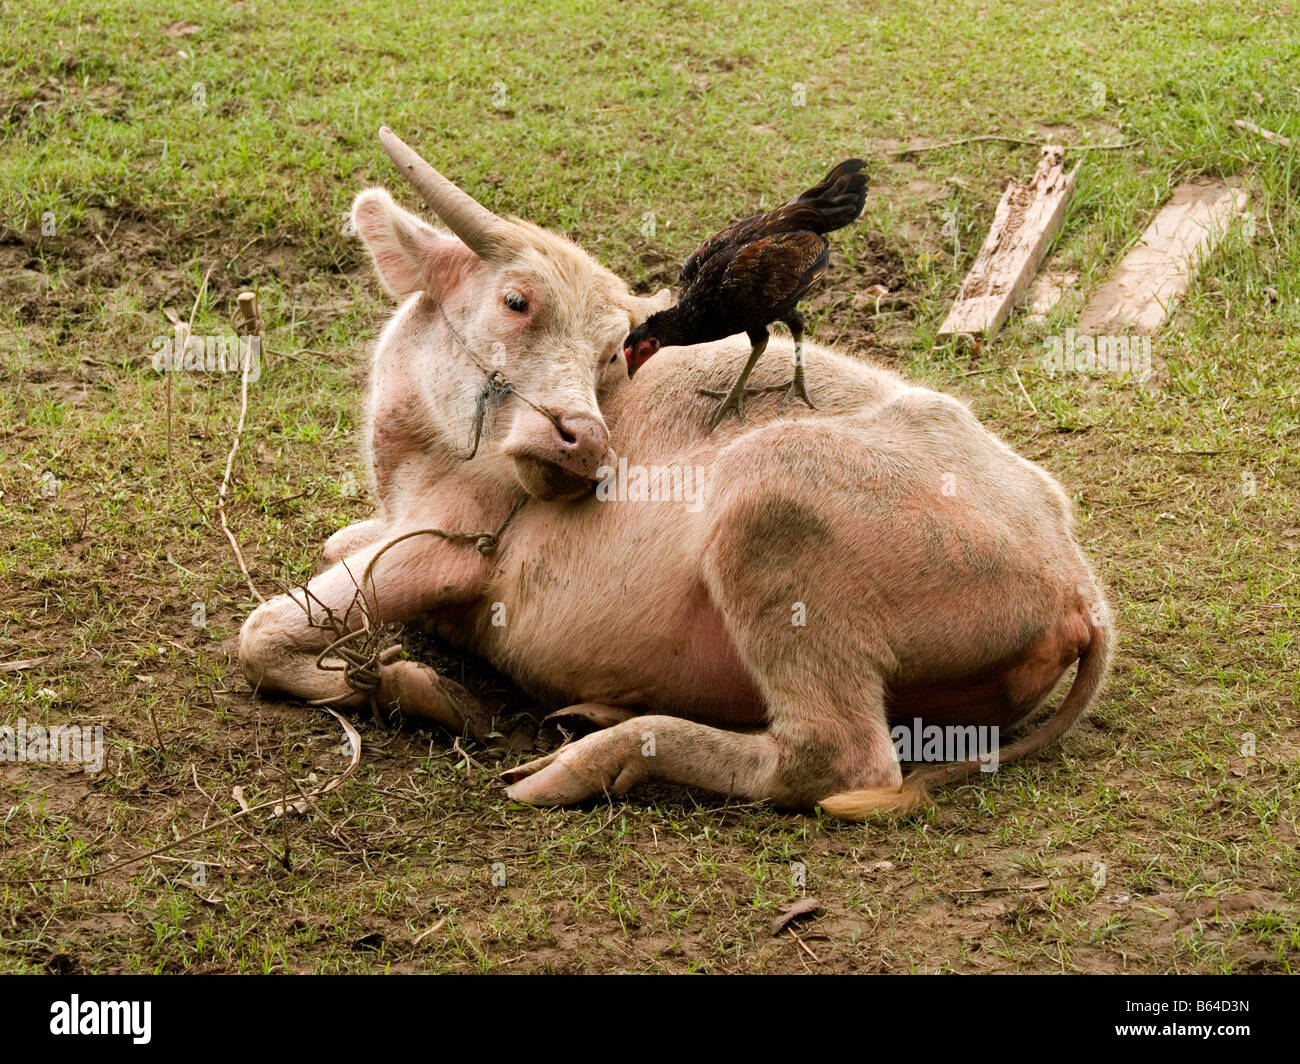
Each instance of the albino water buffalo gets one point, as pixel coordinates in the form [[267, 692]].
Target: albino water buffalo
[[880, 558]]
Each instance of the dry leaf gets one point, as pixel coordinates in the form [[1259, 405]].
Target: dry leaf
[[790, 913]]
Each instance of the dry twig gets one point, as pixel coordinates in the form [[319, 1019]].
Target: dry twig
[[253, 320], [914, 148]]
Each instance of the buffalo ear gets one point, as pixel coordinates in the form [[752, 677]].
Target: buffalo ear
[[409, 254]]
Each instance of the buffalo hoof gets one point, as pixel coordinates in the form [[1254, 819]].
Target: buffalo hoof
[[419, 693], [554, 784]]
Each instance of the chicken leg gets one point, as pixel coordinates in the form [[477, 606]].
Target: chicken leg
[[797, 389], [734, 399]]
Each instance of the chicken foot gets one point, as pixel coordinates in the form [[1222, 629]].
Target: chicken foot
[[734, 399]]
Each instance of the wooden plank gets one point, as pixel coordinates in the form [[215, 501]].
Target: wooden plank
[[1027, 218], [1157, 272]]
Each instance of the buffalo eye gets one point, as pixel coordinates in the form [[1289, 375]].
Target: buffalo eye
[[516, 301]]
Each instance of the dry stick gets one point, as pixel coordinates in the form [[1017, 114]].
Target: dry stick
[[429, 931], [456, 749], [308, 802], [1259, 131], [1009, 140], [25, 663], [305, 800], [162, 747], [318, 792], [802, 945], [185, 341], [1023, 392], [285, 806], [1138, 502], [248, 305]]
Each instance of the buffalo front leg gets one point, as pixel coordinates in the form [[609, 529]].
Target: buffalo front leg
[[285, 645]]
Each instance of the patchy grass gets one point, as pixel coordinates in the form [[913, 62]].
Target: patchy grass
[[132, 161]]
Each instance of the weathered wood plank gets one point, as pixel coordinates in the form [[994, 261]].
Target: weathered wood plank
[[1027, 218], [1157, 272]]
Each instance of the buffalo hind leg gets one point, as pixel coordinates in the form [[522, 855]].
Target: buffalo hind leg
[[668, 749], [783, 571], [827, 740], [755, 766], [802, 759]]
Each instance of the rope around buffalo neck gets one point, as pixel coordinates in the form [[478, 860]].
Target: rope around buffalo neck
[[497, 381], [485, 542]]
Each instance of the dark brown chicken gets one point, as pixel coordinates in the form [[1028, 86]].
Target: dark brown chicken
[[751, 274]]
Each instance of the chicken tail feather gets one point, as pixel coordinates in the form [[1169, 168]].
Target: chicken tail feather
[[839, 197]]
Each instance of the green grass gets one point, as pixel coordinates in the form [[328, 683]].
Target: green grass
[[586, 117]]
